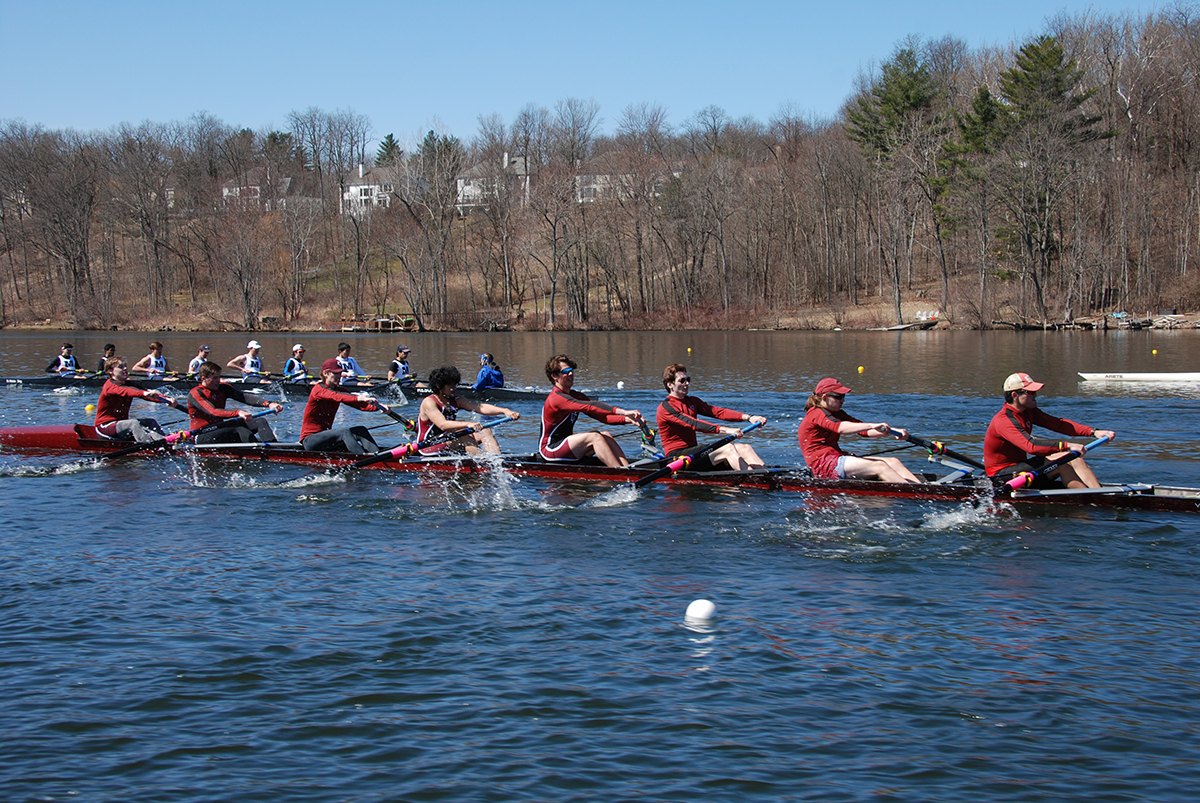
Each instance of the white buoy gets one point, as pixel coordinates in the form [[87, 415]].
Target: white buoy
[[620, 385], [701, 609]]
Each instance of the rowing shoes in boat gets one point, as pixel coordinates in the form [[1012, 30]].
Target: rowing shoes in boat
[[81, 438]]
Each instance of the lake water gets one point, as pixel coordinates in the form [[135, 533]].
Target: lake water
[[189, 631]]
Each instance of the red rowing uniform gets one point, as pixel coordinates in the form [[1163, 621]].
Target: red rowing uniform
[[1008, 440], [322, 407], [114, 403], [208, 407], [819, 438], [558, 421], [678, 421]]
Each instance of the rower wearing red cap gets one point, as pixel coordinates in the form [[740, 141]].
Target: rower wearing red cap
[[1009, 447], [317, 433], [823, 425]]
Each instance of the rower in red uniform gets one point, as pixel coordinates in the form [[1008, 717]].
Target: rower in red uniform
[[112, 411], [1009, 448], [823, 425], [679, 421], [439, 413], [558, 441], [206, 405], [317, 433]]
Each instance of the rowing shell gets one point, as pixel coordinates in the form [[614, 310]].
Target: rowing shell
[[273, 387], [82, 438], [1127, 377], [296, 390]]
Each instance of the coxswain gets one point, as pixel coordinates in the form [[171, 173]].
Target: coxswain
[[112, 410], [200, 358], [823, 425], [1009, 447], [317, 433], [679, 421], [206, 405], [351, 370], [439, 414], [153, 365], [558, 441], [64, 364], [490, 375], [294, 370], [250, 364], [110, 351]]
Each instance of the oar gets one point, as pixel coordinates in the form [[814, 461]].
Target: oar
[[939, 448], [405, 449], [683, 462], [1026, 477], [409, 425], [180, 436]]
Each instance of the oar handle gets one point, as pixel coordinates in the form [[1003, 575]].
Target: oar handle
[[1026, 477], [409, 424]]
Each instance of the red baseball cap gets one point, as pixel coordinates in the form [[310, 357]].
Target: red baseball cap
[[332, 365], [830, 385]]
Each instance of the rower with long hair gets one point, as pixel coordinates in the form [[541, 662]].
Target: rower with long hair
[[825, 422], [439, 414]]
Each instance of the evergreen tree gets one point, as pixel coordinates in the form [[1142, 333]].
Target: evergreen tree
[[389, 152]]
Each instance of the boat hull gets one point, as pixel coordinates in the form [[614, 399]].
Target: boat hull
[[82, 438]]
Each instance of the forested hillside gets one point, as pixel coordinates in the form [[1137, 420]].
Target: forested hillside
[[1055, 178]]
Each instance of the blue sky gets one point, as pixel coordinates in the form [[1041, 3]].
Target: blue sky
[[411, 66]]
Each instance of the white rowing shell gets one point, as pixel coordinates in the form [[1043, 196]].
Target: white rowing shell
[[1167, 377]]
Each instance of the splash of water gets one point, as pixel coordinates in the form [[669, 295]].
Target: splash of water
[[621, 495], [970, 515]]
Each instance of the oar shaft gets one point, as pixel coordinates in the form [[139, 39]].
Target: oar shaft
[[681, 463], [936, 447], [181, 436]]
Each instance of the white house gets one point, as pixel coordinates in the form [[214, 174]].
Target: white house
[[478, 185], [369, 187]]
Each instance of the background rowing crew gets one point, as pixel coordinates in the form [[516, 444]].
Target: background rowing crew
[[1009, 446], [250, 365]]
